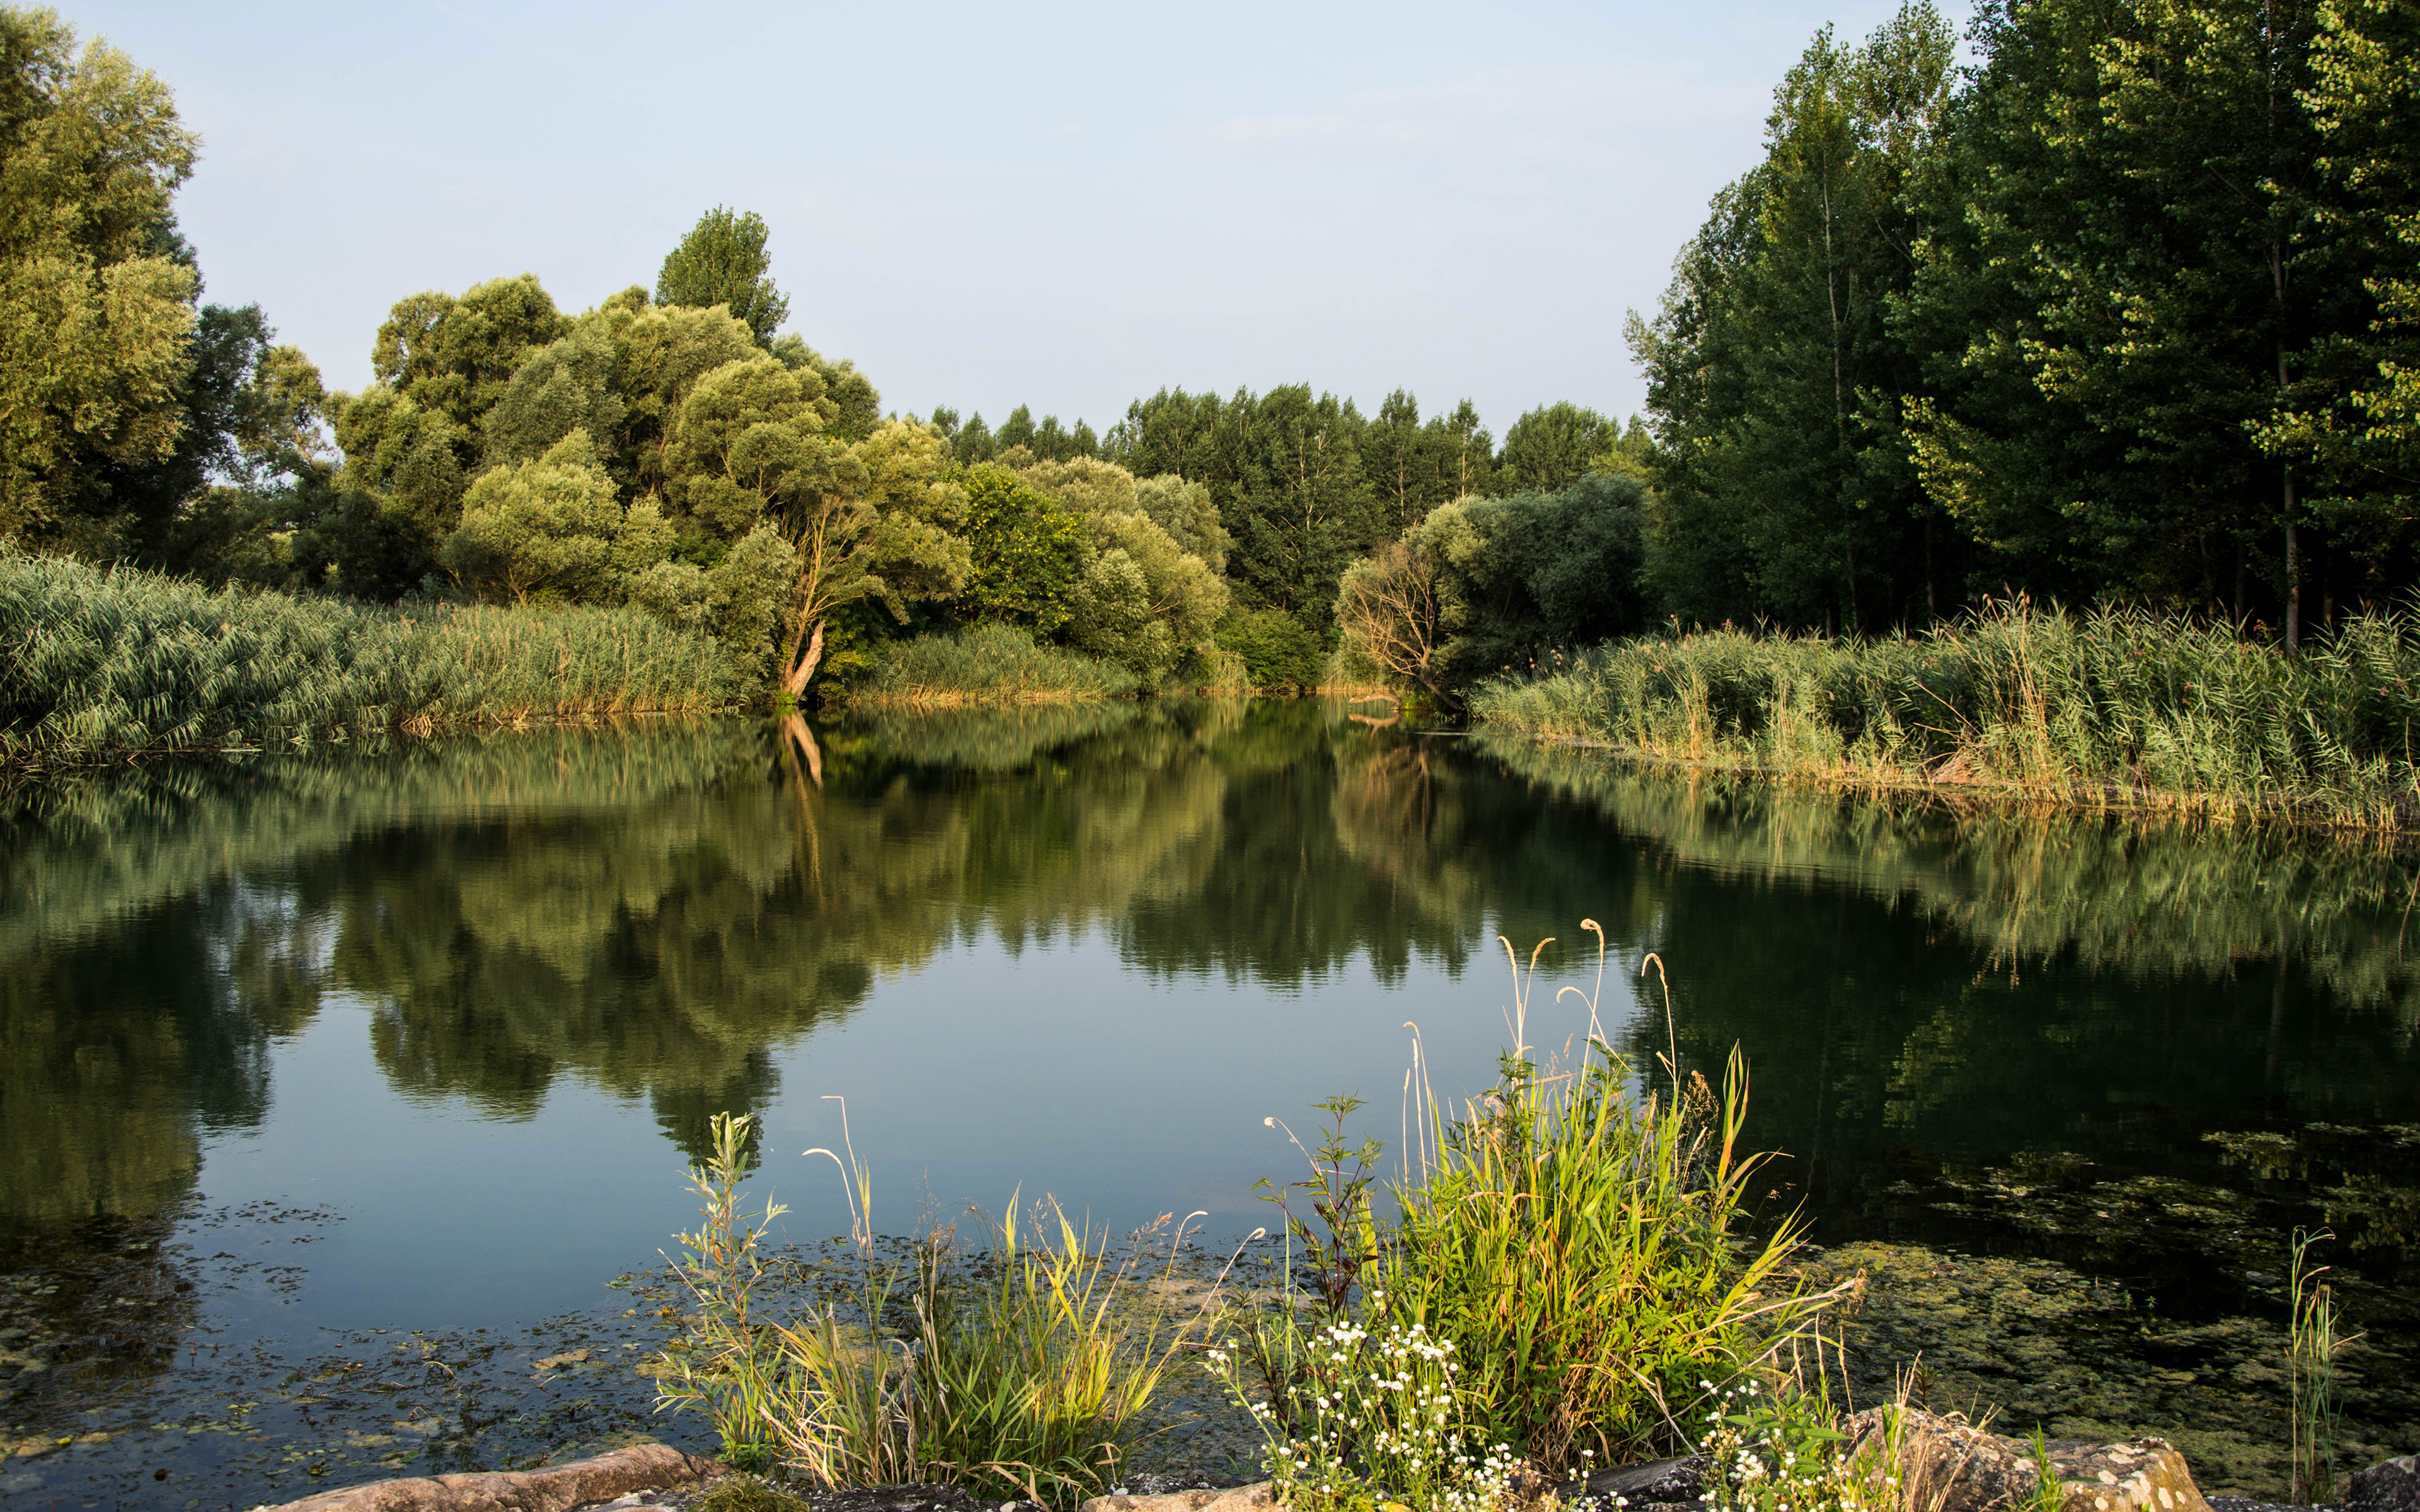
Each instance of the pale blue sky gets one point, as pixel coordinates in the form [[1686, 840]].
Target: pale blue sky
[[1067, 206]]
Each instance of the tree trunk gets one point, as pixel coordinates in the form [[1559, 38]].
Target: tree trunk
[[796, 683], [2293, 577]]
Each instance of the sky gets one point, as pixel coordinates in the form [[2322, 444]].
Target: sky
[[1067, 206]]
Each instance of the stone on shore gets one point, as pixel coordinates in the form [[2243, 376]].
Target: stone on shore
[[2391, 1486], [1260, 1496], [1947, 1464], [645, 1467]]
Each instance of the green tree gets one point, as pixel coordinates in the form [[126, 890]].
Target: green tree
[[1547, 448], [552, 527], [1774, 377], [1413, 467], [722, 261], [2354, 427], [457, 355], [2107, 303], [96, 291], [1028, 551]]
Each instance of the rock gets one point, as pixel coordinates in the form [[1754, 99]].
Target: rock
[[641, 1468], [1257, 1497], [1652, 1483], [2391, 1486], [2138, 1476], [1947, 1464]]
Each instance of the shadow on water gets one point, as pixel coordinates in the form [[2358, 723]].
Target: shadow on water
[[2061, 1084]]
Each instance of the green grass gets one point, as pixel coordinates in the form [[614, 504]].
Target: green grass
[[986, 664], [2114, 708], [112, 662], [1566, 1277], [1010, 1372]]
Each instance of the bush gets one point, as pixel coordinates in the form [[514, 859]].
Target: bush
[[1279, 651]]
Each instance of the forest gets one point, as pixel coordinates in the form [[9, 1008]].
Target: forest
[[2122, 311]]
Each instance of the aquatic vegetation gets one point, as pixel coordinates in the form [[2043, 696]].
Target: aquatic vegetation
[[1010, 1371], [2312, 1346], [986, 664], [114, 662], [2116, 707]]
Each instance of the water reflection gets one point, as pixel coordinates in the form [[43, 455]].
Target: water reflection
[[1933, 999]]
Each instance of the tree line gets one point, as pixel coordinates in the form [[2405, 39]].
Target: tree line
[[2123, 309], [2126, 309]]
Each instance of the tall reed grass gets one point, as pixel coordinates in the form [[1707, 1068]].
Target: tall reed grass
[[2112, 707], [1012, 1372], [986, 664], [108, 663], [1565, 1286]]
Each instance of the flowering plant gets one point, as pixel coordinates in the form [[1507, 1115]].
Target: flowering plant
[[1374, 1423]]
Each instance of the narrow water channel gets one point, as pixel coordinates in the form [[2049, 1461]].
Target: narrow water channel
[[345, 1094]]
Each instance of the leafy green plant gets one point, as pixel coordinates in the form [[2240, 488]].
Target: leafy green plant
[[1773, 1445], [1574, 1233], [986, 664], [1563, 1282], [1021, 1371], [1376, 1420], [724, 1363]]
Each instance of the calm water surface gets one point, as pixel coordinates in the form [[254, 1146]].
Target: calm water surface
[[337, 1088]]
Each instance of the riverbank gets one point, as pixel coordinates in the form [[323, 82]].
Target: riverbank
[[113, 663], [2115, 709]]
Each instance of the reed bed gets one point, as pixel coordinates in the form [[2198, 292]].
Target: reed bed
[[2114, 708], [986, 664], [112, 662]]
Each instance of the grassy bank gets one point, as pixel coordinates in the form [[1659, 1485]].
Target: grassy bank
[[109, 663], [986, 664], [2116, 707]]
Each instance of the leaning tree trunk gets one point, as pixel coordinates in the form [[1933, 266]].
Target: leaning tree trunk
[[794, 684]]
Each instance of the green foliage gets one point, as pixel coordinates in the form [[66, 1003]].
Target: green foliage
[[457, 356], [745, 1494], [1484, 585], [551, 528], [1777, 1446], [722, 261], [1277, 649], [114, 662], [1564, 1286], [1020, 1380], [1414, 467], [1027, 550], [96, 290], [1572, 1235], [720, 1365], [1531, 573], [2124, 706], [1552, 447], [1184, 510], [1784, 488], [989, 663]]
